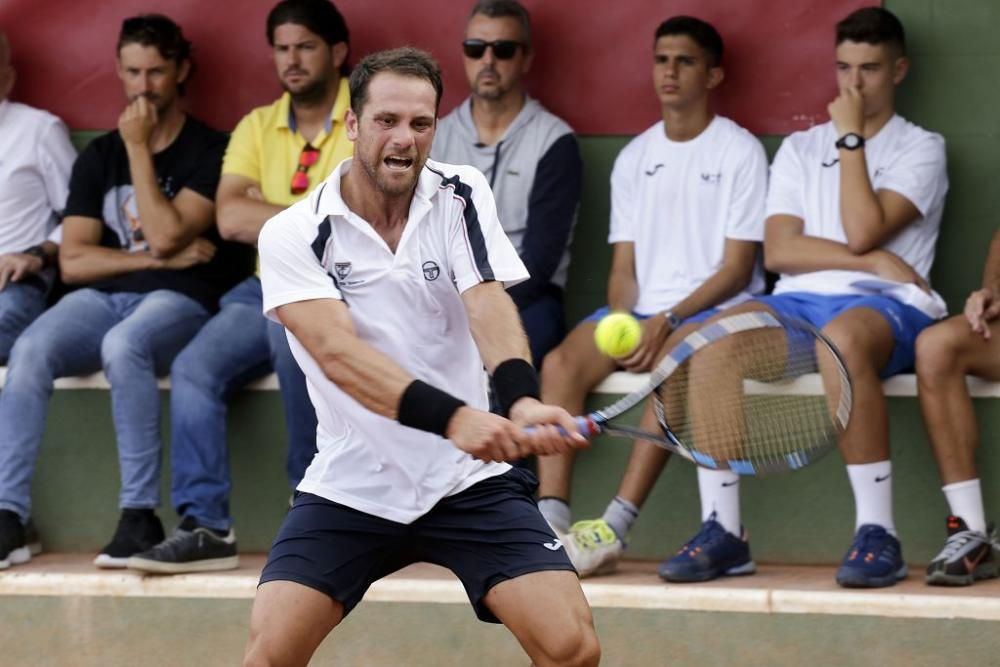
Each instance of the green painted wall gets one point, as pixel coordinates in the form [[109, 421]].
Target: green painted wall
[[953, 88]]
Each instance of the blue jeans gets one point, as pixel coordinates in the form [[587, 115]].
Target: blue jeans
[[20, 304], [133, 338], [236, 346], [545, 324]]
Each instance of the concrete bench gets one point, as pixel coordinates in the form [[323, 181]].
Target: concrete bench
[[620, 382]]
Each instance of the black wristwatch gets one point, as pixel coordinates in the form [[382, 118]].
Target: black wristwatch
[[39, 252], [851, 141]]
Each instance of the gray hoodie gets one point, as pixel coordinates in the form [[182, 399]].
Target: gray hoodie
[[536, 175]]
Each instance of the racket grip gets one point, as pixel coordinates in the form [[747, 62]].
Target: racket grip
[[588, 427]]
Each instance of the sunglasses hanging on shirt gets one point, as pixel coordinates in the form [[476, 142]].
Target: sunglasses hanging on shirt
[[300, 179]]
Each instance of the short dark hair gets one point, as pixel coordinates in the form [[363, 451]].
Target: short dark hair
[[320, 17], [496, 9], [872, 25], [701, 32], [156, 30], [406, 61]]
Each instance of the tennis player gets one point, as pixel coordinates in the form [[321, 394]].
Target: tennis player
[[390, 280]]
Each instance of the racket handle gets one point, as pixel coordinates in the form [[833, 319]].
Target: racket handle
[[588, 427]]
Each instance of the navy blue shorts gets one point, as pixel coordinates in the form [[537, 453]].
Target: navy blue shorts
[[489, 533]]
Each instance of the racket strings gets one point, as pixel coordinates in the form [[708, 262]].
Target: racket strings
[[756, 400]]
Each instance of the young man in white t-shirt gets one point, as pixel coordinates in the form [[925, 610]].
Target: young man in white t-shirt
[[853, 211], [687, 218], [394, 269], [966, 344]]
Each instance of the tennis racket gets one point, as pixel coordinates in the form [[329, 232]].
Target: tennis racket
[[755, 393]]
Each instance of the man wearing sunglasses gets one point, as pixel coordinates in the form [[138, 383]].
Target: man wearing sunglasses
[[530, 157], [276, 156]]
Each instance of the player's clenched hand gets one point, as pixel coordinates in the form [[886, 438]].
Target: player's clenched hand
[[981, 307], [553, 430], [847, 111], [655, 331], [485, 435], [136, 123]]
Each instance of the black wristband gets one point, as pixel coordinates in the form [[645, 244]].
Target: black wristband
[[427, 408], [514, 379]]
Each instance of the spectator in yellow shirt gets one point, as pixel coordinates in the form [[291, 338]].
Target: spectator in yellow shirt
[[276, 155]]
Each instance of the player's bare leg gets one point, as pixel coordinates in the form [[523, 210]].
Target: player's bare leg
[[568, 374], [945, 353], [549, 615], [288, 623]]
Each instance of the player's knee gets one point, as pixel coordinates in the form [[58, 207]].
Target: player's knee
[[256, 654], [937, 354], [576, 648]]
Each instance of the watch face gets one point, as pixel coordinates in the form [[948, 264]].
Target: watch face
[[850, 141]]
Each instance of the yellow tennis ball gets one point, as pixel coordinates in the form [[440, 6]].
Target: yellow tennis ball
[[618, 334]]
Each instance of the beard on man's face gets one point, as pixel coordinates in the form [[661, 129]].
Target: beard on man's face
[[309, 92]]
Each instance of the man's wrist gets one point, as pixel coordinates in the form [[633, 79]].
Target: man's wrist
[[38, 252], [513, 380], [427, 408], [673, 319]]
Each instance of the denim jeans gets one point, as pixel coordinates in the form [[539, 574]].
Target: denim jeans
[[20, 304], [545, 324], [236, 346], [133, 338]]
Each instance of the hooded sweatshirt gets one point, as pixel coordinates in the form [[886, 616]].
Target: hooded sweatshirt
[[536, 172]]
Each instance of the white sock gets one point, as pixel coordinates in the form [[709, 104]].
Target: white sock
[[720, 494], [965, 499], [556, 512], [872, 485], [620, 515]]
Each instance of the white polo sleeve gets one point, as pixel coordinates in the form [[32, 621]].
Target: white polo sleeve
[[292, 245], [785, 191], [745, 219], [919, 173], [55, 157], [478, 247]]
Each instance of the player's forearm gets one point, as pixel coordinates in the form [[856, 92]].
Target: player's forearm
[[363, 373], [724, 284], [861, 212], [805, 254], [82, 265], [162, 225], [495, 325], [240, 218]]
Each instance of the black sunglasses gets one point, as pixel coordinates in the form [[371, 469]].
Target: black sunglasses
[[503, 49]]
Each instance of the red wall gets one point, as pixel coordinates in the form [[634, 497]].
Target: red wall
[[592, 65]]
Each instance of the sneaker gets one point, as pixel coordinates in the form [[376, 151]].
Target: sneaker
[[191, 548], [593, 547], [967, 556], [712, 553], [13, 548], [874, 560], [31, 537], [137, 531]]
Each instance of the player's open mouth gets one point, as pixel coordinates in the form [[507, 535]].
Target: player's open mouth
[[398, 163]]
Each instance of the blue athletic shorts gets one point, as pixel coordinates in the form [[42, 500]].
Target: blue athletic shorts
[[486, 534], [697, 317], [818, 309]]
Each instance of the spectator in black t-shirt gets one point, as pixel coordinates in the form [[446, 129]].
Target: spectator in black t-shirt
[[139, 238]]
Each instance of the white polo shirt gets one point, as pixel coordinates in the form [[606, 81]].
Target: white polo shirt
[[805, 183], [36, 158], [678, 202], [406, 304]]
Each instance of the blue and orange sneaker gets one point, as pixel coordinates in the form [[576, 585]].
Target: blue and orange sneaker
[[874, 559], [712, 553]]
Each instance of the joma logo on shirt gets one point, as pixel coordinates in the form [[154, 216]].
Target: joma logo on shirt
[[712, 179]]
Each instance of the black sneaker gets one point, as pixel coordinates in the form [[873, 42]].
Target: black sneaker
[[137, 531], [967, 556], [191, 548], [13, 549]]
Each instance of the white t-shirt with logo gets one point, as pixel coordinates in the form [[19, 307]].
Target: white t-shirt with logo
[[36, 158], [678, 202], [805, 183], [407, 305]]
